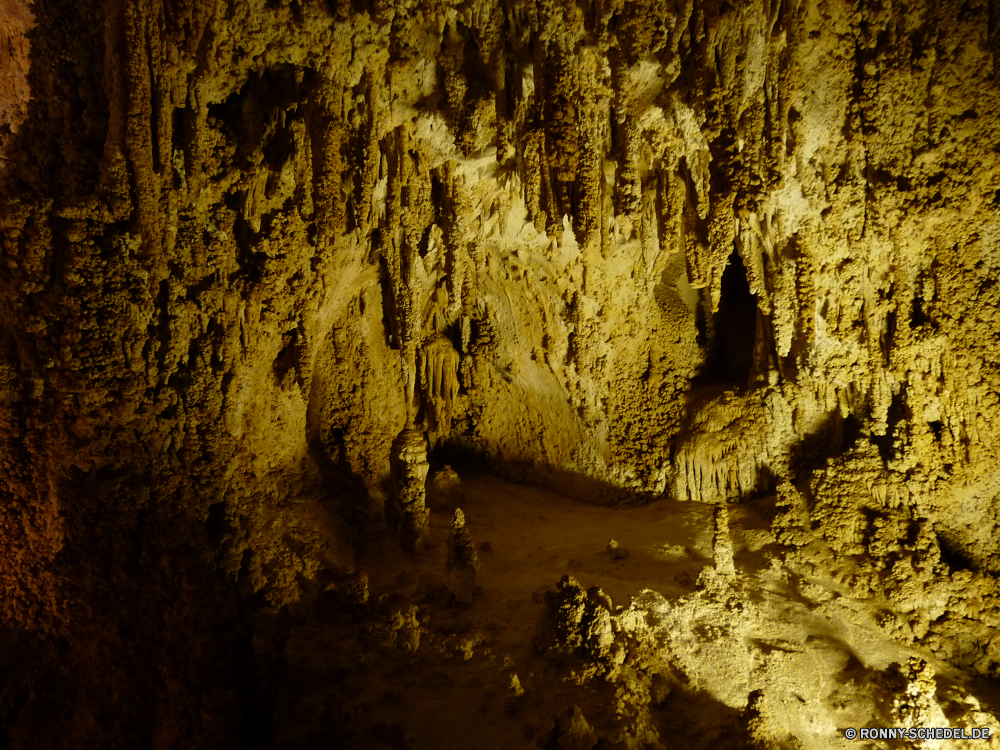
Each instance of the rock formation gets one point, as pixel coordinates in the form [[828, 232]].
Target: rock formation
[[405, 510], [444, 490], [463, 561], [265, 263], [722, 542]]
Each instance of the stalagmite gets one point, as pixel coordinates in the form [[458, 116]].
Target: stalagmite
[[722, 542], [573, 732], [463, 561], [405, 509]]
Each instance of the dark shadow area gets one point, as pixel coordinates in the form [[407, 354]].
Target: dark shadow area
[[729, 334], [20, 652], [917, 315], [832, 438], [696, 720], [251, 117], [327, 449], [465, 457], [140, 639], [289, 356], [954, 557]]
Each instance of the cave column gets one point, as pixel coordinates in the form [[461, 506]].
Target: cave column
[[406, 508]]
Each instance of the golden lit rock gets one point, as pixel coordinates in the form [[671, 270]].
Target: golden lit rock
[[716, 282]]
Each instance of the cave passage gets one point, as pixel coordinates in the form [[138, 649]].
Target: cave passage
[[730, 336]]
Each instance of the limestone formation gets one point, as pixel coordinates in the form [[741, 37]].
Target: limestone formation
[[917, 705], [444, 490], [722, 542], [405, 509], [463, 561], [15, 20], [439, 379], [572, 731], [722, 276]]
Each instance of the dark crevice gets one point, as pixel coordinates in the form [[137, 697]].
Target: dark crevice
[[937, 428], [917, 315], [730, 333], [288, 357], [832, 438], [896, 413], [215, 523], [955, 559]]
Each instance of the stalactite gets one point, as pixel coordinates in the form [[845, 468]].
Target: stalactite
[[561, 132], [721, 239], [371, 152], [627, 185], [785, 305], [138, 129], [439, 380], [534, 163], [329, 163], [589, 210]]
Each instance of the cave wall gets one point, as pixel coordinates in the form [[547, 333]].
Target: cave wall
[[244, 241]]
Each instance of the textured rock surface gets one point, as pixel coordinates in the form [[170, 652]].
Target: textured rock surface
[[15, 20], [626, 249]]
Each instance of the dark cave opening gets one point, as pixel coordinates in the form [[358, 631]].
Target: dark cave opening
[[917, 316], [730, 333]]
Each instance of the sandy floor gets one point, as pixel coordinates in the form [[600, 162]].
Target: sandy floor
[[812, 650]]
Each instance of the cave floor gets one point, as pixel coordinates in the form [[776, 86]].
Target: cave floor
[[798, 636], [533, 537]]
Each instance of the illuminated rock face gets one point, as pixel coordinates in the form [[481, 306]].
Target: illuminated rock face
[[631, 249]]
